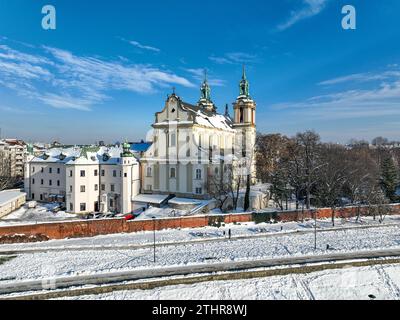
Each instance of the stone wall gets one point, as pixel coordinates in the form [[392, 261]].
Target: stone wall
[[90, 228]]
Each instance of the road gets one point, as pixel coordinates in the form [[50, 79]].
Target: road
[[151, 273]]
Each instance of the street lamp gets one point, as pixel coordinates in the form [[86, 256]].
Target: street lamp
[[154, 238]]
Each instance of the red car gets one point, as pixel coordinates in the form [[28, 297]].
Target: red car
[[129, 217]]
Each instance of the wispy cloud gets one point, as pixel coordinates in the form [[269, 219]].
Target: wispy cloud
[[61, 79], [382, 99], [198, 75], [309, 9], [362, 77], [139, 45], [234, 58]]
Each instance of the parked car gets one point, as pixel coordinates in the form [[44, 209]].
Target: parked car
[[129, 217], [94, 215], [31, 204], [109, 215]]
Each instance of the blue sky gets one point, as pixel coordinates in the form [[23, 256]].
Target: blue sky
[[107, 68]]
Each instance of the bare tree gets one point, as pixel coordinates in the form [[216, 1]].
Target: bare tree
[[331, 177], [6, 181], [224, 186], [309, 145]]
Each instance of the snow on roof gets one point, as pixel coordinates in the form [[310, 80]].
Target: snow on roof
[[9, 195], [184, 201], [82, 155], [150, 198]]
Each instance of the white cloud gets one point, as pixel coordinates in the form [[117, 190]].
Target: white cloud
[[234, 58], [309, 9], [198, 75], [61, 79], [382, 99], [362, 77], [139, 45]]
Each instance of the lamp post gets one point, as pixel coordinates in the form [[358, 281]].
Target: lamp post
[[154, 238]]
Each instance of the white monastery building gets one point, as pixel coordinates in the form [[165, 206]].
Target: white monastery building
[[192, 146]]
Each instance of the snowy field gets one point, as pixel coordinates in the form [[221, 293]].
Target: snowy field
[[89, 260], [365, 283]]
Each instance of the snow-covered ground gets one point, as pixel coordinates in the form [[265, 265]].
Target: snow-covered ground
[[42, 213], [190, 234], [68, 262], [364, 283]]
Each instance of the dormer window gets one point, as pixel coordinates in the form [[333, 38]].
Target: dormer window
[[62, 156]]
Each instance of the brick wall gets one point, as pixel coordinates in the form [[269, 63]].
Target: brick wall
[[90, 228]]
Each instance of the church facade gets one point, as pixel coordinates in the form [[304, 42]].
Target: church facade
[[193, 145]]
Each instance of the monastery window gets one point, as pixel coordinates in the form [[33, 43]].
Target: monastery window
[[83, 188], [83, 206], [70, 188], [198, 174], [103, 187], [70, 173], [50, 170], [33, 196], [114, 173], [41, 181], [83, 173], [42, 169], [96, 187], [96, 173], [58, 183], [149, 173], [111, 203], [71, 206], [172, 173], [125, 175], [58, 170], [103, 173], [173, 140], [33, 181], [33, 169], [112, 188], [199, 190]]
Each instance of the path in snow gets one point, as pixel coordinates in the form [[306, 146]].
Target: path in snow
[[341, 284], [44, 264]]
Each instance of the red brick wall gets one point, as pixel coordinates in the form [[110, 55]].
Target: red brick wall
[[90, 228]]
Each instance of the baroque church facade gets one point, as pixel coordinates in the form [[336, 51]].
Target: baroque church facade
[[193, 145]]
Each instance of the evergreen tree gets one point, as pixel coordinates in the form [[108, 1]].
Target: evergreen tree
[[389, 178], [247, 195]]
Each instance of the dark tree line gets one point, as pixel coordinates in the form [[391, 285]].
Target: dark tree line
[[313, 173]]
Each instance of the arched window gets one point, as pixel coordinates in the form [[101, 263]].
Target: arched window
[[241, 115]]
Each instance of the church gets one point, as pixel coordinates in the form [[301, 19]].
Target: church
[[193, 144]]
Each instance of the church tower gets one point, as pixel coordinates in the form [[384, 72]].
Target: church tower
[[244, 122], [245, 119], [205, 98]]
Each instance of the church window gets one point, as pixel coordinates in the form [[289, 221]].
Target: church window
[[241, 118], [198, 174], [172, 140], [173, 173], [149, 172]]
